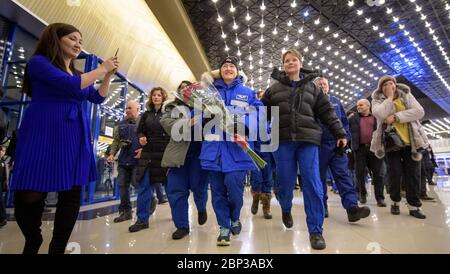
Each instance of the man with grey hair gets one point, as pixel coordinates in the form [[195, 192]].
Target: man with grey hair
[[330, 157], [126, 140], [362, 126]]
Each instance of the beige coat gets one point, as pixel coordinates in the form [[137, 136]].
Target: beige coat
[[382, 108]]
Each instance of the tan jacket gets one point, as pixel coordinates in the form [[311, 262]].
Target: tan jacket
[[382, 108]]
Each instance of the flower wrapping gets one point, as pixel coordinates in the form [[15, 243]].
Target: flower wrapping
[[211, 100]]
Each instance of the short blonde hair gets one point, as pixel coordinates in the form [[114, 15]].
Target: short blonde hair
[[294, 52]]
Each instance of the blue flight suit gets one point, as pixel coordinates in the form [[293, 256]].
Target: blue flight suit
[[303, 157], [338, 164], [180, 180], [226, 162], [262, 180]]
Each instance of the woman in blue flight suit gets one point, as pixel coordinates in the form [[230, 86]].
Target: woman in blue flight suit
[[301, 106], [226, 162], [185, 172]]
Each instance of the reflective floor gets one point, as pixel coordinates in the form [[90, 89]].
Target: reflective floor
[[379, 233]]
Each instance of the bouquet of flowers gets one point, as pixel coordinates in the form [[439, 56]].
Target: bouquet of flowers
[[211, 100]]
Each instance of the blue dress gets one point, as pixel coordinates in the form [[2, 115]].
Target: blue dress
[[54, 150]]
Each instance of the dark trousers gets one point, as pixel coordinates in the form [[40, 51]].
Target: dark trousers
[[430, 173], [366, 158], [426, 174], [159, 190], [126, 177], [2, 204], [400, 163], [28, 208], [423, 181]]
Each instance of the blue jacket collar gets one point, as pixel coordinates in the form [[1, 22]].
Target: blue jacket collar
[[221, 84]]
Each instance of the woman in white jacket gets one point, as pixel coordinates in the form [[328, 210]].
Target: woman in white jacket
[[394, 105]]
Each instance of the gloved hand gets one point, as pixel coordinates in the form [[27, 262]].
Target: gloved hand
[[342, 150]]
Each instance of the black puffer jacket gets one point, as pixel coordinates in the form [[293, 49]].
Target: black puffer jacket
[[301, 109], [152, 153]]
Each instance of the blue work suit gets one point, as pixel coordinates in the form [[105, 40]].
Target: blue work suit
[[293, 156], [306, 156], [226, 162], [262, 180], [180, 180], [338, 164]]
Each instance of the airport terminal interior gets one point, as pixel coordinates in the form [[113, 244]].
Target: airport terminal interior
[[351, 43]]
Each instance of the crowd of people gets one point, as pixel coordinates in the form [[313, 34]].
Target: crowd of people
[[317, 139]]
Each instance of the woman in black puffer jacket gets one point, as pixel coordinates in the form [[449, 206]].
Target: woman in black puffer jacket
[[302, 107], [149, 172]]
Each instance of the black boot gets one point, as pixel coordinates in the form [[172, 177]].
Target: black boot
[[417, 213], [317, 241], [124, 216], [163, 200], [395, 209], [180, 233], [66, 216], [202, 217], [425, 197], [138, 226], [287, 220], [28, 217], [356, 213], [381, 203]]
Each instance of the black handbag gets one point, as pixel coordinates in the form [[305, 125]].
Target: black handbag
[[391, 139]]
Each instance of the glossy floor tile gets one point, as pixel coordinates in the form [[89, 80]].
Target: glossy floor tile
[[381, 232]]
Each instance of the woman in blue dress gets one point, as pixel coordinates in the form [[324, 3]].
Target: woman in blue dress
[[54, 151]]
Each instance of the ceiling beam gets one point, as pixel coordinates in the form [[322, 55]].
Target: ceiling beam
[[176, 23]]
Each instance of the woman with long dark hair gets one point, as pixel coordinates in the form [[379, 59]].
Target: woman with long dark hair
[[54, 150]]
